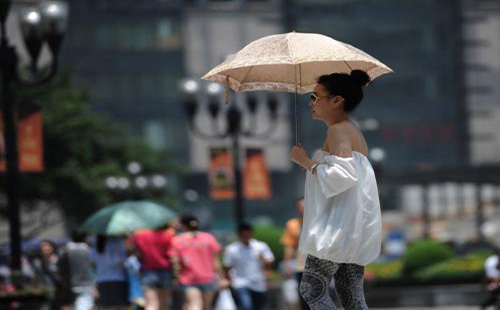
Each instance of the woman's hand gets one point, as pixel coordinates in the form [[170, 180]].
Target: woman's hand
[[299, 156], [224, 283]]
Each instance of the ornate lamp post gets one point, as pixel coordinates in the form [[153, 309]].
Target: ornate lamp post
[[41, 24], [234, 126], [136, 183]]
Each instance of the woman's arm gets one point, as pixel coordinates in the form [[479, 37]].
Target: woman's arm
[[223, 274], [299, 156]]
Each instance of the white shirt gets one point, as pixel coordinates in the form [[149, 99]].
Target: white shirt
[[247, 268], [342, 220], [491, 267]]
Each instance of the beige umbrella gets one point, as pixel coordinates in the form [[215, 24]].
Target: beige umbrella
[[291, 62]]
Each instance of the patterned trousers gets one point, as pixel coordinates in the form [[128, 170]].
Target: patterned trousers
[[348, 278]]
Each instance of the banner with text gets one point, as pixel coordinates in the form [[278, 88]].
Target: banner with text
[[220, 174], [257, 181], [29, 139]]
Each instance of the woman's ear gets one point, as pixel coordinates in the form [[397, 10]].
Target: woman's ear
[[338, 101]]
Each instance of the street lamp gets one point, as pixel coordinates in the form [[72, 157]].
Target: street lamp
[[42, 24], [234, 129], [136, 181]]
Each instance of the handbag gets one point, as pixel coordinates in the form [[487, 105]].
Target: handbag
[[225, 301], [289, 288]]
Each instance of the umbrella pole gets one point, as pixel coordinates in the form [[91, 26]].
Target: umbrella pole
[[295, 109], [296, 122], [226, 90]]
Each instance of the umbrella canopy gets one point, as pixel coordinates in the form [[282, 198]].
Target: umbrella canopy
[[292, 62], [125, 217]]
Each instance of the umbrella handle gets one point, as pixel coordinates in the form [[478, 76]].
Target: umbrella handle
[[296, 117], [226, 90], [295, 107]]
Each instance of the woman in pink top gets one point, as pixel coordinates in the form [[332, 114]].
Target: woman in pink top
[[151, 247], [195, 256]]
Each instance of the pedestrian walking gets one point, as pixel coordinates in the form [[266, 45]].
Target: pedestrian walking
[[245, 262], [196, 259], [342, 229], [76, 272], [492, 270], [293, 259], [135, 291], [109, 257], [152, 247], [47, 273]]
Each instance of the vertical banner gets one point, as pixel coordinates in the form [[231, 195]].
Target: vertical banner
[[220, 174], [257, 181], [29, 139]]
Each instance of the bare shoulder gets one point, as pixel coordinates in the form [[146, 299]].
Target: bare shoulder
[[339, 131], [346, 133], [339, 140]]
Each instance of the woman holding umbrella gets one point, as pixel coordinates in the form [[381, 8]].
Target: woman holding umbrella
[[341, 232], [342, 229]]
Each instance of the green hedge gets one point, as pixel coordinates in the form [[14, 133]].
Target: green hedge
[[424, 253], [271, 235], [464, 269], [384, 271], [469, 267]]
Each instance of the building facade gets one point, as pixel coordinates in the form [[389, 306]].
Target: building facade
[[419, 109], [482, 72], [133, 55], [129, 55]]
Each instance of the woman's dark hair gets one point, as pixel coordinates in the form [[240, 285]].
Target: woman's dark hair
[[190, 221], [78, 236], [348, 86], [100, 243]]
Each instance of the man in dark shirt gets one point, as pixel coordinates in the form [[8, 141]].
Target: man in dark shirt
[[75, 266]]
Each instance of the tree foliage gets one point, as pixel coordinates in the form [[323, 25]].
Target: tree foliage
[[271, 235], [83, 148]]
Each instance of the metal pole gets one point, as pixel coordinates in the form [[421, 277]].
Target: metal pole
[[288, 11], [8, 61], [8, 75], [479, 211], [463, 128], [462, 208], [425, 212], [238, 195]]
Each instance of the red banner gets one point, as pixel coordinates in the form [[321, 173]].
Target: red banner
[[256, 182], [29, 139], [221, 174]]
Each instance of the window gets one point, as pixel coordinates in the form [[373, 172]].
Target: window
[[140, 35], [155, 135], [169, 87], [167, 36]]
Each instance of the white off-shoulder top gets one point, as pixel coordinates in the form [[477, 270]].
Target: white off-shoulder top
[[342, 220]]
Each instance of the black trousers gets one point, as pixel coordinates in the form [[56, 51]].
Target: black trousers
[[318, 275], [492, 300], [303, 303]]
